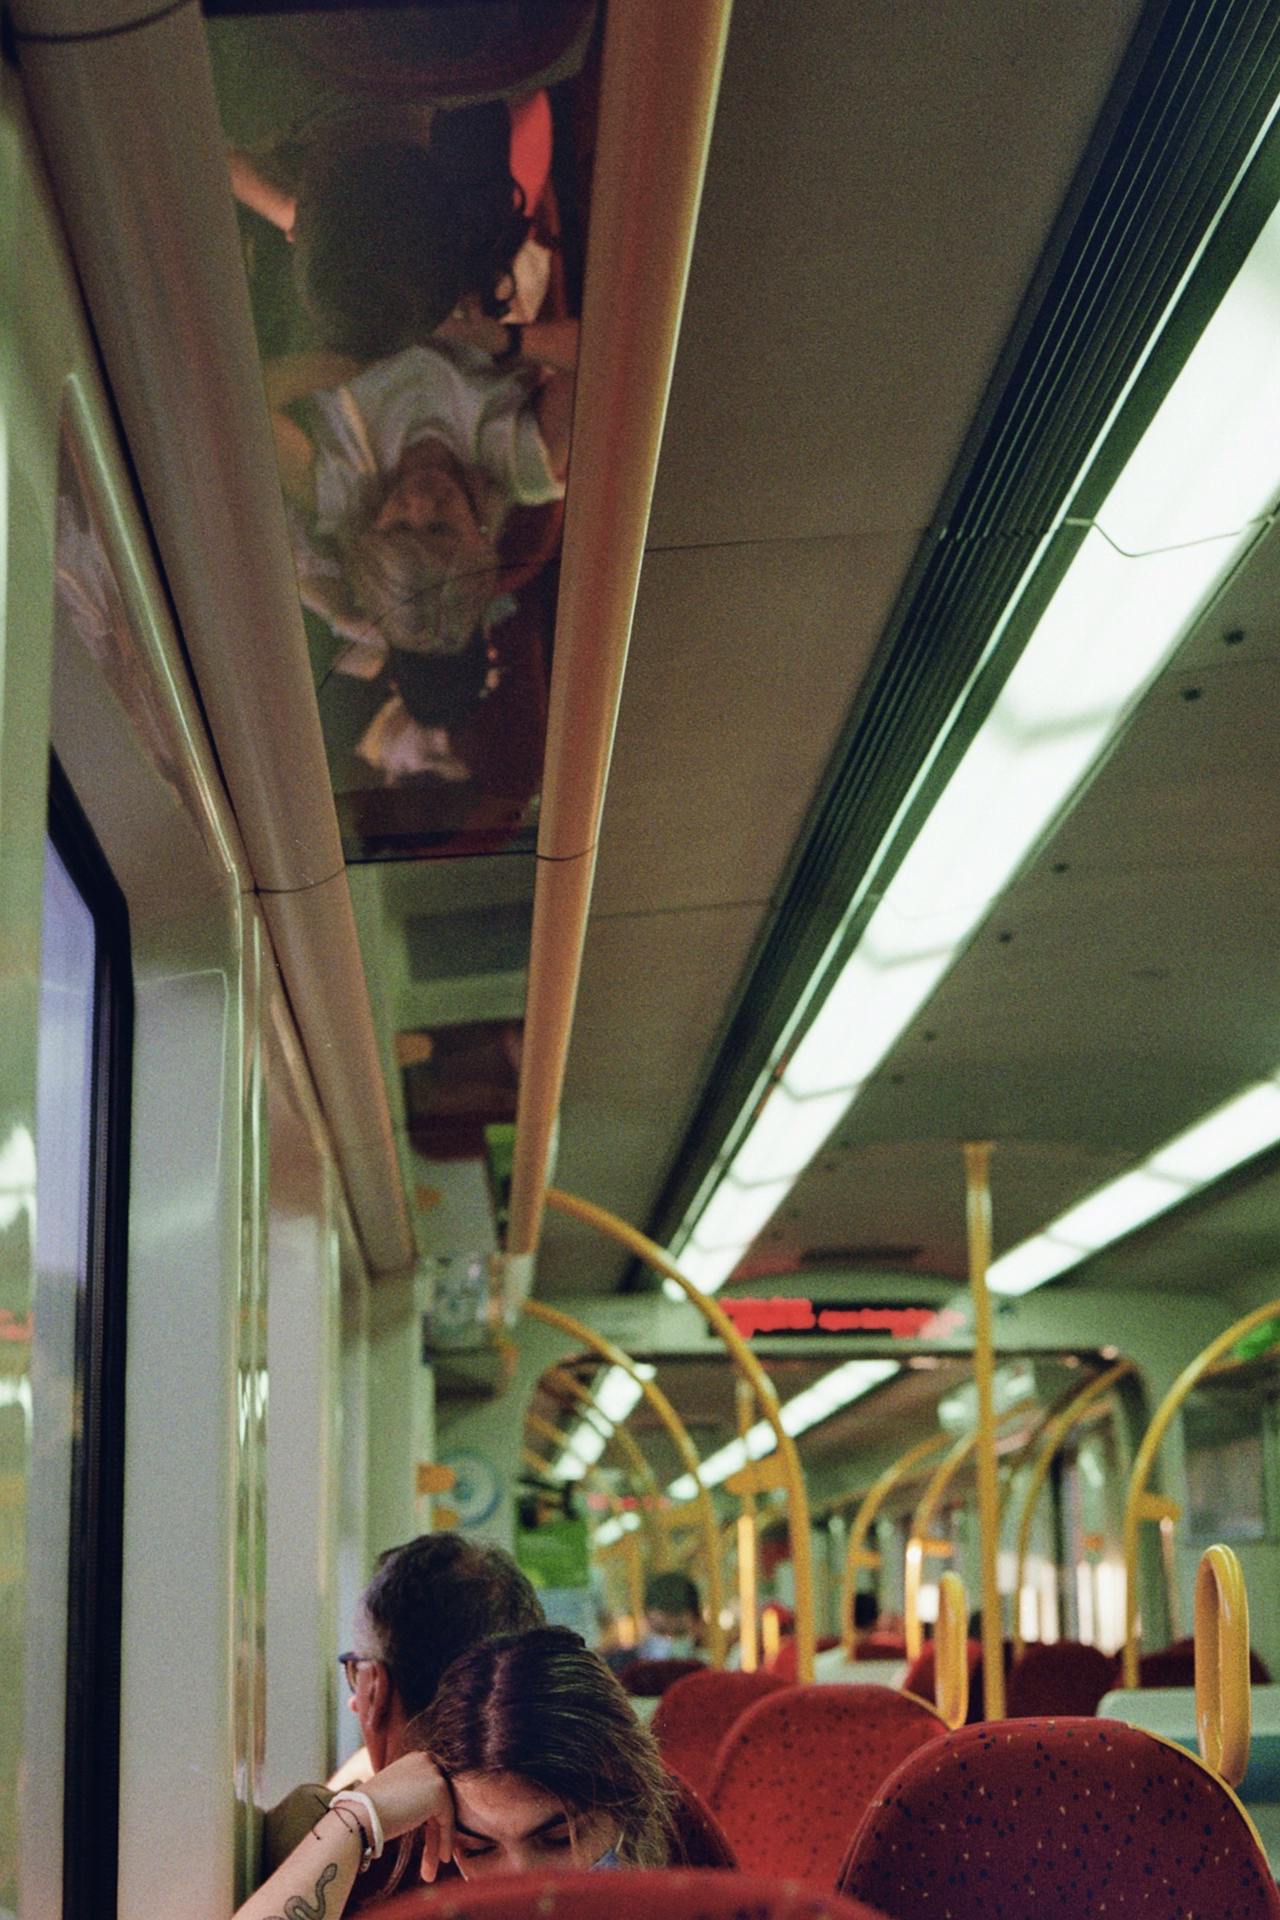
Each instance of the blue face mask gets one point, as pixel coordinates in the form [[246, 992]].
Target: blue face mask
[[607, 1862]]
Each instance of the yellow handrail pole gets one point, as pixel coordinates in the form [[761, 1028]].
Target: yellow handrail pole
[[873, 1499], [1055, 1433], [921, 1521], [1145, 1459], [616, 1436], [748, 1583], [766, 1396], [1224, 1706], [588, 1337], [635, 1580], [951, 1672], [977, 1165]]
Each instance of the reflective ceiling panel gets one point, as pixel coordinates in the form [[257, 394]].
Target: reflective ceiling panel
[[410, 184]]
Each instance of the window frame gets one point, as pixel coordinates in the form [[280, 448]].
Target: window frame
[[91, 1754]]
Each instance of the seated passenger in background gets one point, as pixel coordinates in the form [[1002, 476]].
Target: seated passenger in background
[[428, 1602], [529, 1759], [672, 1619]]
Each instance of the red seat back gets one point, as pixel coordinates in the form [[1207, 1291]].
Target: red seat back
[[880, 1646], [663, 1895], [784, 1661], [649, 1679], [1059, 1677], [700, 1839], [1056, 1819], [696, 1712], [1175, 1666], [920, 1677], [797, 1770]]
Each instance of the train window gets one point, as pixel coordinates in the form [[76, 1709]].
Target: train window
[[410, 184], [75, 1503], [1224, 1430]]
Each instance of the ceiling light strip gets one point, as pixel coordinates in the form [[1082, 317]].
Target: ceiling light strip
[[1190, 501]]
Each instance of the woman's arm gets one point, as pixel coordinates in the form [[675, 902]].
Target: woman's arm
[[254, 190], [288, 379], [314, 1882], [553, 405], [543, 343]]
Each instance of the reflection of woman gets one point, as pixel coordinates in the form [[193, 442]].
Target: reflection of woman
[[531, 1760], [399, 215], [402, 476]]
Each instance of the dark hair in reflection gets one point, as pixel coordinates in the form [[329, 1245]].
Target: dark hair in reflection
[[388, 240], [436, 1595], [540, 1705]]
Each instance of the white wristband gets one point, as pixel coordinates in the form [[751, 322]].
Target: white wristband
[[377, 1839]]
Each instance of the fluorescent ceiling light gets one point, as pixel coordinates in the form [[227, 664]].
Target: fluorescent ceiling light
[[611, 1530], [835, 1390], [736, 1214], [1207, 463], [1246, 1125], [786, 1136], [1117, 1209], [617, 1393], [706, 1270], [1188, 502], [1226, 1138]]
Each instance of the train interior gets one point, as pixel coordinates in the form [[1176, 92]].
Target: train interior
[[636, 773]]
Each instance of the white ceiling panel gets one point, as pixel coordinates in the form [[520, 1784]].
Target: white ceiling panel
[[882, 181], [652, 989], [743, 665]]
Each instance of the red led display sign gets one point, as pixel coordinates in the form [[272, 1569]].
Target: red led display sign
[[888, 1319]]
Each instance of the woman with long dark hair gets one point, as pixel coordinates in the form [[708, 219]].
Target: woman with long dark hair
[[530, 1759]]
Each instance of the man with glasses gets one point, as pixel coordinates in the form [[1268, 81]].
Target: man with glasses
[[428, 1601]]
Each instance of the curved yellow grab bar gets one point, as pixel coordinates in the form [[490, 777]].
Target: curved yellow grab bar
[[919, 1543], [766, 1398], [1145, 1459], [1055, 1433], [951, 1656], [856, 1555], [977, 1166], [561, 1381], [580, 1331], [1223, 1706]]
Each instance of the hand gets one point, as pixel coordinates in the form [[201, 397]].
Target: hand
[[475, 329], [412, 1792]]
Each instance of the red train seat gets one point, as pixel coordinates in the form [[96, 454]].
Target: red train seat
[[695, 1714], [649, 1679], [796, 1771], [1058, 1818], [700, 1839], [660, 1895], [920, 1680], [1175, 1666], [1059, 1677], [783, 1663]]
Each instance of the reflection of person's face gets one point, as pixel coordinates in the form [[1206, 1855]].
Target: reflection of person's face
[[428, 498], [506, 1824]]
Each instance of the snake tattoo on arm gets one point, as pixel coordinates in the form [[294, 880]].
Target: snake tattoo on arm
[[296, 1908]]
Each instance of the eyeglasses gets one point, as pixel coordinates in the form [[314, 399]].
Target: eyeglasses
[[351, 1664]]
